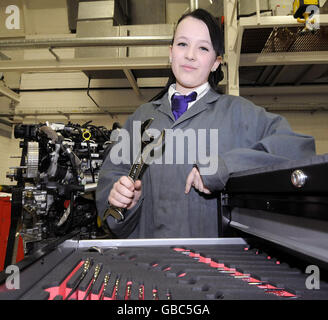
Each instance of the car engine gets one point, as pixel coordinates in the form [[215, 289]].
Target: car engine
[[57, 179]]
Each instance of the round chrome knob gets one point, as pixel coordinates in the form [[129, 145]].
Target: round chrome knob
[[298, 178]]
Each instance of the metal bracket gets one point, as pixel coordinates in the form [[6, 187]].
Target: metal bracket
[[54, 54], [4, 57], [9, 93], [224, 199]]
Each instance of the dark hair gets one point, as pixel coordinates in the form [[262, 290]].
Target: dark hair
[[217, 42]]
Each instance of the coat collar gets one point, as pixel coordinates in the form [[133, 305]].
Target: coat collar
[[202, 104]]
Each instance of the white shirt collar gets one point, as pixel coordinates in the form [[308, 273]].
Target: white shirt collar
[[201, 91]]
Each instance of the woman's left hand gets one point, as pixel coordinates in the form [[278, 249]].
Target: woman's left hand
[[195, 180]]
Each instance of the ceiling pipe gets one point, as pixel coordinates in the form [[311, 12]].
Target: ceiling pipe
[[193, 5], [85, 42]]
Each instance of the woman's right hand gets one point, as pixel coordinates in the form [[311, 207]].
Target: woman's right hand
[[125, 193]]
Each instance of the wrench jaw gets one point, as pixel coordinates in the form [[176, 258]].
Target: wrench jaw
[[115, 212]]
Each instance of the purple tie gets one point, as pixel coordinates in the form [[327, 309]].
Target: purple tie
[[180, 103]]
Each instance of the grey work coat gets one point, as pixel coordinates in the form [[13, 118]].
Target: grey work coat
[[239, 136]]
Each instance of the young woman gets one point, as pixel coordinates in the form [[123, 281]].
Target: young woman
[[217, 135]]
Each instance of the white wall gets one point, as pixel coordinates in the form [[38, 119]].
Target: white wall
[[46, 17], [10, 147], [314, 124]]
